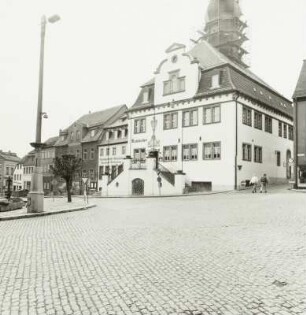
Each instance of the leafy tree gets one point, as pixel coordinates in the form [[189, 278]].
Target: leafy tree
[[66, 167]]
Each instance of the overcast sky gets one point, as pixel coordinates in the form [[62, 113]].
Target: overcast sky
[[101, 51]]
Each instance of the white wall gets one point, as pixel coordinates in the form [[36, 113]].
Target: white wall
[[186, 67], [269, 143], [122, 185], [219, 172]]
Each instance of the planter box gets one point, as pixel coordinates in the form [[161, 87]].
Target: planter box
[[14, 204]]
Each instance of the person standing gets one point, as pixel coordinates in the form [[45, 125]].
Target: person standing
[[254, 182], [264, 183]]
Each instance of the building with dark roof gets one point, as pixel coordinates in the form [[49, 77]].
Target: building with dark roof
[[82, 138], [47, 160], [112, 148], [206, 114], [300, 127], [8, 162]]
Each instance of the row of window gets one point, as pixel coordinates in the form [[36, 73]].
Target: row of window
[[176, 83], [91, 174], [87, 154], [284, 130], [211, 151], [28, 170], [46, 168], [112, 151], [247, 153], [117, 134], [211, 115], [50, 154], [17, 177], [9, 171]]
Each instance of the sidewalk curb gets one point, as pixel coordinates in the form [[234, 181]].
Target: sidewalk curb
[[43, 214], [164, 196]]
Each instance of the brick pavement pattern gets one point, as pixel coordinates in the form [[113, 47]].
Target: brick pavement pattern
[[228, 254]]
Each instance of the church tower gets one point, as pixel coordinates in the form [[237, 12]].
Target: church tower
[[225, 30]]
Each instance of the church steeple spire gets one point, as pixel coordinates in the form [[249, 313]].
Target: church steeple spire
[[225, 30]]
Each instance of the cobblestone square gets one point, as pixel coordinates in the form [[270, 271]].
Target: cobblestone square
[[225, 254]]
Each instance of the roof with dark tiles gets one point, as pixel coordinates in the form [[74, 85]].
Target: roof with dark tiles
[[100, 117], [300, 90], [9, 156], [234, 78]]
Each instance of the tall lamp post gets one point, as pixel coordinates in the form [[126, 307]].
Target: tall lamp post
[[36, 195]]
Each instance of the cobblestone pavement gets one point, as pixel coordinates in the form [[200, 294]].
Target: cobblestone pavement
[[237, 253], [50, 206]]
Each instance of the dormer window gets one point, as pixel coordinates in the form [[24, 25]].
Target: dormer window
[[215, 81], [92, 133], [145, 99], [175, 84], [71, 136], [110, 135], [78, 135]]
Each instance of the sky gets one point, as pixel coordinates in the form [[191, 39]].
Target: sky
[[100, 52]]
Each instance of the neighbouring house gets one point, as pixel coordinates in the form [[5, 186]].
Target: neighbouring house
[[8, 162], [47, 160], [18, 177], [300, 129], [82, 138], [112, 149], [28, 163]]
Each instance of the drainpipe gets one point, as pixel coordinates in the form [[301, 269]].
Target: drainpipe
[[295, 126], [235, 97]]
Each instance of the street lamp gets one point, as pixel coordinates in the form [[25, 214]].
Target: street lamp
[[36, 195]]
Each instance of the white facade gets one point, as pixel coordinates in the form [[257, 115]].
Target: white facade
[[18, 177], [221, 170], [112, 151], [213, 125]]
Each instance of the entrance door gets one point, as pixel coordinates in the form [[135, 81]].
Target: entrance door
[[137, 187]]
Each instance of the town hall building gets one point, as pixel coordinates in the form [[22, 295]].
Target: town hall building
[[205, 116]]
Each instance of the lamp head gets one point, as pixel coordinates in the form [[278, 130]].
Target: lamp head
[[54, 18]]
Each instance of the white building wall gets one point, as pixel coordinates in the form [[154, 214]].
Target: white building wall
[[18, 177], [186, 68], [270, 143], [219, 172], [122, 185]]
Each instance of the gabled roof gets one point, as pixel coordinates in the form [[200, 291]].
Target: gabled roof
[[29, 159], [100, 117], [89, 138], [300, 90], [210, 57], [9, 156], [121, 121], [51, 141], [61, 141], [235, 78]]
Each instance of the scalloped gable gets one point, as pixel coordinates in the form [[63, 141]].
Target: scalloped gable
[[174, 47]]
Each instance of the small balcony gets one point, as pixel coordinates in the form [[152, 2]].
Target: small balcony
[[138, 165]]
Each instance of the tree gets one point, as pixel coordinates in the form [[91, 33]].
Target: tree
[[66, 167]]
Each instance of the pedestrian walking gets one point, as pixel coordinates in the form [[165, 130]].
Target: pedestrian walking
[[263, 183], [254, 182]]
